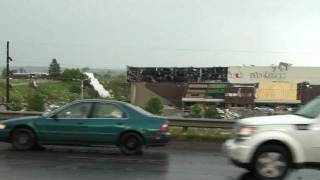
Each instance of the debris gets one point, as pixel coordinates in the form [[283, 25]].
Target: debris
[[97, 86]]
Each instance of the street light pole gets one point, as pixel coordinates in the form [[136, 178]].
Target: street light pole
[[8, 78], [82, 89]]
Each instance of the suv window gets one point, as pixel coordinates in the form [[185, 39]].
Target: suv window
[[105, 110], [310, 110], [80, 110]]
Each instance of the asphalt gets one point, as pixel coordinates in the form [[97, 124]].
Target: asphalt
[[179, 160]]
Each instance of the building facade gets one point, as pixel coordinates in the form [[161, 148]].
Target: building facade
[[232, 86]]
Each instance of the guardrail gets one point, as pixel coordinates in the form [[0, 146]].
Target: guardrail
[[201, 123], [174, 121], [15, 114]]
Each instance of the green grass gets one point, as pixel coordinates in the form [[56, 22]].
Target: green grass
[[56, 92], [200, 134], [16, 81]]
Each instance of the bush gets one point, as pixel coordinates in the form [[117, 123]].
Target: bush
[[154, 106], [36, 102], [196, 112], [212, 113], [120, 87], [72, 74], [75, 88], [16, 104]]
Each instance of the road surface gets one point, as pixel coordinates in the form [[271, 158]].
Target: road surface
[[178, 161]]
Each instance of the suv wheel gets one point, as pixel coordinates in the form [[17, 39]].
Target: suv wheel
[[271, 162], [131, 144], [23, 139]]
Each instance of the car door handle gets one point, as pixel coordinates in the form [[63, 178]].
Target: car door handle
[[119, 123], [80, 123]]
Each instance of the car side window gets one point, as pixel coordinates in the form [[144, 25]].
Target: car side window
[[105, 110], [80, 110]]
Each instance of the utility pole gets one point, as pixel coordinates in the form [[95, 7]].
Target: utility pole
[[8, 78], [81, 89]]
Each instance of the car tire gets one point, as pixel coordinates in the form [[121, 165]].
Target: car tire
[[131, 144], [23, 139], [271, 162]]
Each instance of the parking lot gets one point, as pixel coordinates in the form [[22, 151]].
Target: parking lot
[[179, 160]]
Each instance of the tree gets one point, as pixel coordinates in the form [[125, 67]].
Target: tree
[[36, 102], [72, 75], [120, 87], [154, 106], [196, 112], [54, 69]]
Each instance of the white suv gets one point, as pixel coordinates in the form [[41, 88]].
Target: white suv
[[269, 146]]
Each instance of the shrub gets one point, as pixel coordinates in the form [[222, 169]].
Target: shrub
[[196, 112], [75, 88], [16, 104], [36, 102], [211, 112], [154, 106]]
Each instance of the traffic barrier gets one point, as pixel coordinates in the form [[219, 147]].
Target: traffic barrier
[[174, 121]]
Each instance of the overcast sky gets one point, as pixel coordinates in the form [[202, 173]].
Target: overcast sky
[[116, 33]]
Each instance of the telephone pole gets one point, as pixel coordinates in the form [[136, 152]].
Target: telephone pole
[[8, 78]]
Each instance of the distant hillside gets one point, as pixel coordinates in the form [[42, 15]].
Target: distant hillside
[[45, 69]]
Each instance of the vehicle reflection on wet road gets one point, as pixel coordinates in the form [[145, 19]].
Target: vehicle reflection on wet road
[[180, 160]]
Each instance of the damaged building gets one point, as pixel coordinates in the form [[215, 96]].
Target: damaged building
[[235, 86]]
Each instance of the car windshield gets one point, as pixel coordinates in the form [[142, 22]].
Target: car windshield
[[140, 110], [310, 110]]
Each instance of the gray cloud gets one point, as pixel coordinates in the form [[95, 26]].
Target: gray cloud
[[113, 34]]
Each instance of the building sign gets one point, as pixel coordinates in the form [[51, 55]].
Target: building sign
[[281, 73]]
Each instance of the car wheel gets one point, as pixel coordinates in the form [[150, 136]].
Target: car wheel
[[23, 139], [271, 162], [131, 144]]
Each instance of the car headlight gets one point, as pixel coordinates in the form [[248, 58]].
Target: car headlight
[[245, 132], [2, 126]]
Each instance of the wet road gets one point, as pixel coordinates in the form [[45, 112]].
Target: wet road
[[179, 160]]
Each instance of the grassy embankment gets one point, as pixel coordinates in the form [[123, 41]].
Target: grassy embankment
[[55, 92]]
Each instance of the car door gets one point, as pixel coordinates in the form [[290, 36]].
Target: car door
[[305, 135], [66, 126], [106, 122], [314, 142], [308, 130]]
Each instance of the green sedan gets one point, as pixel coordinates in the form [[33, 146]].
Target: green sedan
[[88, 123]]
